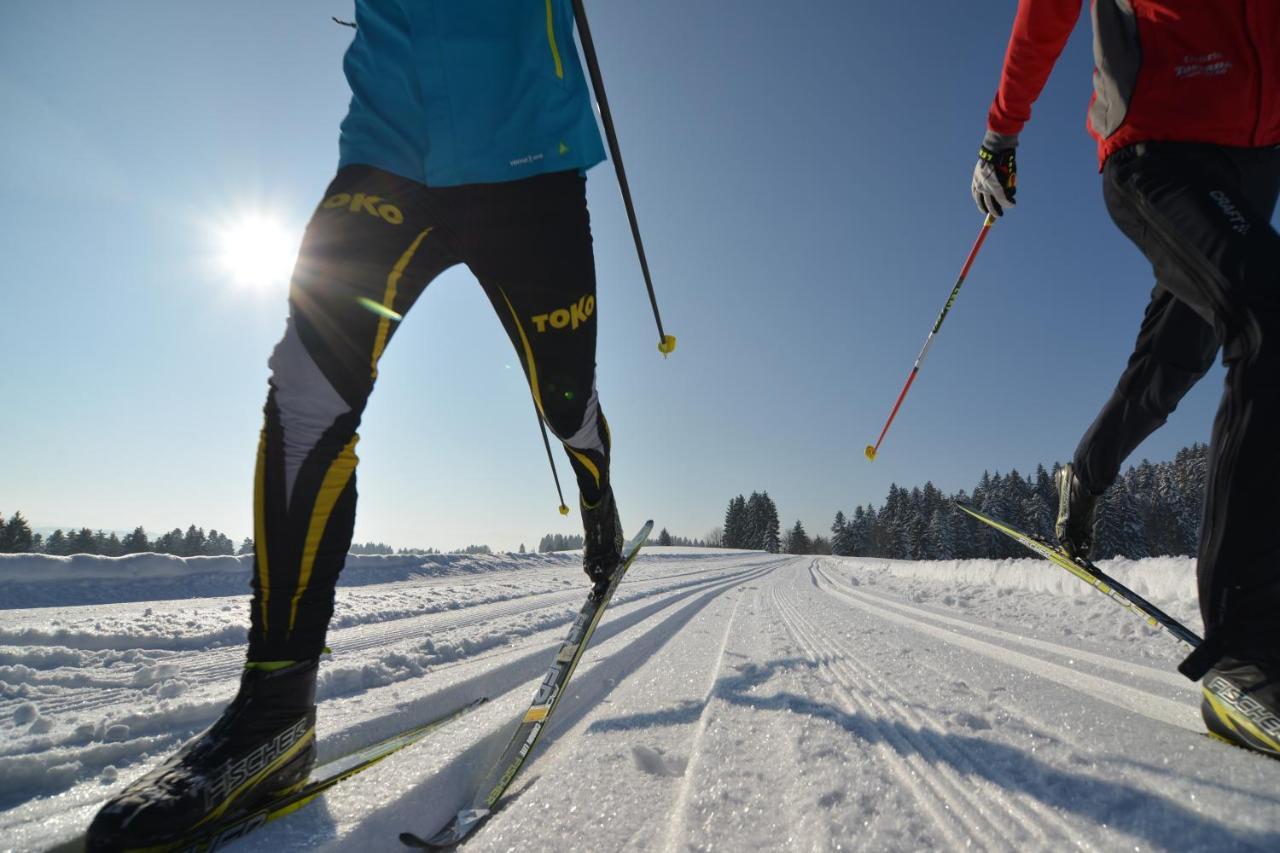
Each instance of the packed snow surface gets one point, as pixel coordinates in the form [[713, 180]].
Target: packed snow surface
[[730, 701]]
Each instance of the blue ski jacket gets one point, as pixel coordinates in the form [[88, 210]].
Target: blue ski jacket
[[448, 92]]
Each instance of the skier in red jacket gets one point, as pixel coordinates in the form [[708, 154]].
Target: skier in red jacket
[[1186, 112]]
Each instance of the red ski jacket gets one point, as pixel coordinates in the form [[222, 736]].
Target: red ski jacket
[[1175, 70]]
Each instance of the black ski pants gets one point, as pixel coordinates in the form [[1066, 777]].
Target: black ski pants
[[1202, 215], [371, 248]]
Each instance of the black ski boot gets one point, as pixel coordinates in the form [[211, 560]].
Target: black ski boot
[[602, 541], [263, 744], [1077, 514], [1241, 705]]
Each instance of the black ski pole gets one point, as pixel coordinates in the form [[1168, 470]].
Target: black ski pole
[[546, 442], [666, 343]]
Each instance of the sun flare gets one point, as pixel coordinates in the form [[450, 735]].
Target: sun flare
[[257, 250]]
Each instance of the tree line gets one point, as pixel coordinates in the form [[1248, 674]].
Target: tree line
[[16, 537], [1152, 510]]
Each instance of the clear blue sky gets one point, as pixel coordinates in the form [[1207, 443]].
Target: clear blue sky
[[801, 173]]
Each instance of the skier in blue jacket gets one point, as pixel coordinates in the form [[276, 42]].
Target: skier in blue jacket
[[467, 141]]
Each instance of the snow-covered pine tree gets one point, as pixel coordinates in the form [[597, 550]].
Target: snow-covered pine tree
[[1047, 492], [772, 538], [942, 540], [840, 536], [1191, 472], [1119, 532], [859, 531]]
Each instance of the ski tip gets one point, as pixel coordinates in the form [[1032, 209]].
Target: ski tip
[[871, 453], [408, 839]]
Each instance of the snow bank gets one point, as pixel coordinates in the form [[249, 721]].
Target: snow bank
[[1155, 578], [41, 580], [1167, 582]]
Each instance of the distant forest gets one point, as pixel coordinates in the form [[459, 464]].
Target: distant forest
[[1152, 510], [16, 537]]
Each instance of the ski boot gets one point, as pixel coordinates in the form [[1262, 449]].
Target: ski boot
[[1077, 514], [602, 541], [1241, 705], [262, 746]]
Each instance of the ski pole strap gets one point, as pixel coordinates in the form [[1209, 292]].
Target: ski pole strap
[[1202, 659]]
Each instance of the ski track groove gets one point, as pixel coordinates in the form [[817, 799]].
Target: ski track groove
[[1076, 739], [982, 807], [1123, 667], [1018, 804], [678, 827], [1131, 699], [901, 760], [206, 666]]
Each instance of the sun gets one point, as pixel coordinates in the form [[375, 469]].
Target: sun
[[256, 250]]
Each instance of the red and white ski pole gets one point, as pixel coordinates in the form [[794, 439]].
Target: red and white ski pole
[[872, 450]]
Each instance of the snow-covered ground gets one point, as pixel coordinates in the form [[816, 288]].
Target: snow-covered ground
[[730, 701]]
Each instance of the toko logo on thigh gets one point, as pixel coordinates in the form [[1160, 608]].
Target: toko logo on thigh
[[363, 203], [571, 317]]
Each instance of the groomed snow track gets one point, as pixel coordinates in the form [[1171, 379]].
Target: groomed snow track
[[731, 701]]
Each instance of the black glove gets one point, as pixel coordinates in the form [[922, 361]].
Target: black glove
[[995, 179]]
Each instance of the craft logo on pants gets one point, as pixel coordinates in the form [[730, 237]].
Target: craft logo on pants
[[572, 317], [362, 203], [1239, 223]]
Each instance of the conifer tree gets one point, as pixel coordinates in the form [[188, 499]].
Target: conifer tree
[[56, 544], [135, 542], [840, 538], [81, 542], [772, 540], [859, 532], [757, 522], [735, 523], [15, 535], [1119, 530], [797, 541]]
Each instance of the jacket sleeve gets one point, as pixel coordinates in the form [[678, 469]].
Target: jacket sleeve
[[1040, 32]]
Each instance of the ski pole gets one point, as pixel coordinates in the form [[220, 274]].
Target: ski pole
[[666, 343], [546, 442], [872, 450]]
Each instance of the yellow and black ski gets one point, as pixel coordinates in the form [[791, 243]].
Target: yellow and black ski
[[534, 721], [1095, 577]]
